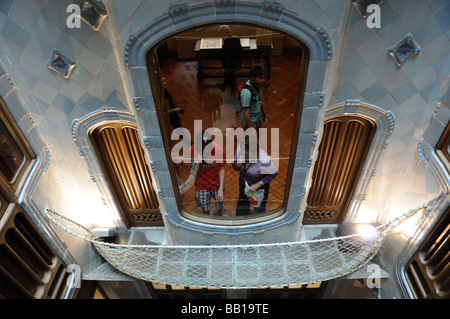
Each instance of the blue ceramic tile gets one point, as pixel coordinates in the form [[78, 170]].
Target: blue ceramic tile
[[15, 33], [90, 103], [424, 78], [404, 92], [345, 92], [431, 93], [437, 5], [81, 76], [5, 6], [47, 32], [23, 16], [443, 18], [375, 92], [55, 13], [412, 20], [392, 33], [99, 45], [442, 66], [428, 32], [63, 103]]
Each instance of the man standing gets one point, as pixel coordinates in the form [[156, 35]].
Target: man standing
[[252, 113], [231, 58]]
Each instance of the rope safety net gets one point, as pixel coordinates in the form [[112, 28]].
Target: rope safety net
[[240, 266]]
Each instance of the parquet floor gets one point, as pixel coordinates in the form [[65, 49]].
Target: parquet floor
[[205, 101]]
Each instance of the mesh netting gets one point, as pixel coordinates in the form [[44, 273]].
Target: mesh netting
[[240, 266]]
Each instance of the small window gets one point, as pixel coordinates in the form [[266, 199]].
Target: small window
[[443, 148], [428, 271], [15, 153], [29, 267]]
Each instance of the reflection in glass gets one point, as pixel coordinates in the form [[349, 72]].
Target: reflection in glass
[[11, 158], [192, 77]]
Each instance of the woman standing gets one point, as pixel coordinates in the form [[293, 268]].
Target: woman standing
[[257, 171]]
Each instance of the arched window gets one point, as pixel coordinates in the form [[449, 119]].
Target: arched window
[[192, 73]]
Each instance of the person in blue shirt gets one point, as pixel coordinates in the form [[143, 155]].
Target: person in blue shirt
[[251, 99]]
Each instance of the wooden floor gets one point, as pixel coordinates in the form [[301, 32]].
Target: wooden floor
[[205, 101]]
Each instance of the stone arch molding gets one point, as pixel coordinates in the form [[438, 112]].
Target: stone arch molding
[[266, 14]]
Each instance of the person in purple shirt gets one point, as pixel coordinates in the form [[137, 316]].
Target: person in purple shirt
[[257, 169]]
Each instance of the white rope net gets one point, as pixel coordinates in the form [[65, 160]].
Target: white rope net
[[240, 266]]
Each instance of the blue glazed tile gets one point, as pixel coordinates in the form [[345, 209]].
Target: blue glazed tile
[[47, 32], [63, 103], [412, 20], [428, 32], [56, 14], [437, 48], [404, 92], [15, 33], [375, 92], [345, 92], [23, 16], [81, 76], [431, 93], [443, 18], [99, 45], [5, 6], [442, 66], [424, 78], [90, 103], [392, 33]]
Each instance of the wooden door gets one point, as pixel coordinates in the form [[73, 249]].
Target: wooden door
[[342, 152], [122, 159]]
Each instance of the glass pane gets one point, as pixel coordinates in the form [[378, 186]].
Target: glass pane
[[200, 94], [11, 158]]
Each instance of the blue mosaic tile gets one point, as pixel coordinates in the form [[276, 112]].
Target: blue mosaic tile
[[404, 92], [15, 33], [5, 6]]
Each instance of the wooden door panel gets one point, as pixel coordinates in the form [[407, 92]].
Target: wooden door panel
[[122, 159], [345, 143]]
